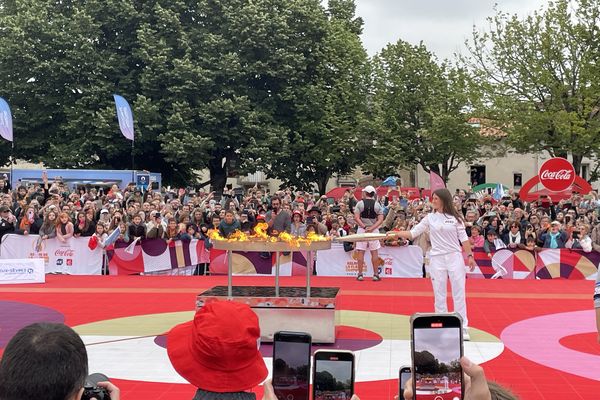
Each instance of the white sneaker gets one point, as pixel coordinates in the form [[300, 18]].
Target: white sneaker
[[466, 336]]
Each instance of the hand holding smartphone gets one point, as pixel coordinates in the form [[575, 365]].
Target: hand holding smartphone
[[333, 375], [291, 365], [436, 349], [403, 376]]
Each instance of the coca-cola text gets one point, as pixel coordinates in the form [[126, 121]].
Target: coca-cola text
[[562, 174], [64, 253]]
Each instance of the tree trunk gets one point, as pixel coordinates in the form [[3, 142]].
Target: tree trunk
[[577, 164], [218, 174], [322, 183], [445, 173], [435, 168]]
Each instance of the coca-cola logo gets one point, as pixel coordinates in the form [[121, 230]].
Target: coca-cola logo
[[557, 174], [64, 253]]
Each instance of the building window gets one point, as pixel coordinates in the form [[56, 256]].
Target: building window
[[477, 175], [517, 179], [585, 171]]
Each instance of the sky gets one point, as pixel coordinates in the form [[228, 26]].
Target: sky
[[443, 343], [442, 25]]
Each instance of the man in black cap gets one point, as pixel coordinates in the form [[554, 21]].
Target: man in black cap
[[7, 221], [314, 216]]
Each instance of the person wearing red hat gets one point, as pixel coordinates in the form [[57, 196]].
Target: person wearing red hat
[[218, 351], [298, 226]]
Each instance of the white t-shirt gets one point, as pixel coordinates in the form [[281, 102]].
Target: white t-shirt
[[445, 233], [360, 207]]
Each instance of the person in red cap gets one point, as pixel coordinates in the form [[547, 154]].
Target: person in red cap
[[218, 351]]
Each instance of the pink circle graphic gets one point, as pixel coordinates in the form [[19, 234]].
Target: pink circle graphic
[[538, 340]]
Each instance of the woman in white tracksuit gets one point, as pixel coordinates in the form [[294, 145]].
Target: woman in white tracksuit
[[447, 233]]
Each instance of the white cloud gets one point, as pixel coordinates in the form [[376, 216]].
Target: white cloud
[[443, 25]]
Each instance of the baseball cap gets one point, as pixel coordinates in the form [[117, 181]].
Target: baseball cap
[[369, 189]]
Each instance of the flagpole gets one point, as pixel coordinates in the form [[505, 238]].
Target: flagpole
[[132, 164], [12, 158]]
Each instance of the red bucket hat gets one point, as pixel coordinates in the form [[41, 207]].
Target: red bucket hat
[[218, 350]]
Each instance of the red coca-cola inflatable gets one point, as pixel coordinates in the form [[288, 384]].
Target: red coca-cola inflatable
[[557, 174]]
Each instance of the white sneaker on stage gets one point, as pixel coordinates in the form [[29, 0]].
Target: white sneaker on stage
[[466, 336]]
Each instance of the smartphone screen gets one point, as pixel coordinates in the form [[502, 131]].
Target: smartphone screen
[[404, 375], [291, 365], [333, 375], [436, 352]]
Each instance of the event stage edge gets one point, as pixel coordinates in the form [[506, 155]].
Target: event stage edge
[[280, 308]]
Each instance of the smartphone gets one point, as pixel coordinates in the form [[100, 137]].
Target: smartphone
[[403, 376], [333, 375], [291, 365], [436, 349], [330, 201]]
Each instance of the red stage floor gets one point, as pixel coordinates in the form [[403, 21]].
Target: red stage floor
[[547, 326]]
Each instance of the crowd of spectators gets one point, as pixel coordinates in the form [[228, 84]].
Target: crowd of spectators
[[52, 210]]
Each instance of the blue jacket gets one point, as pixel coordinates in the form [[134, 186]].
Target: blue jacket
[[560, 240]]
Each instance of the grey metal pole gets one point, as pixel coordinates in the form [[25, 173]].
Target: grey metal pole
[[309, 264], [277, 274], [229, 273]]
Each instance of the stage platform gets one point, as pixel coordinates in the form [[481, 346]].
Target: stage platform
[[537, 337]]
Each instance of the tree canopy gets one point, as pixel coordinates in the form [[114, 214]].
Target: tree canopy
[[540, 74], [421, 108], [228, 85]]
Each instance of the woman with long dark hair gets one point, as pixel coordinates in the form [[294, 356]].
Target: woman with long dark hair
[[447, 233]]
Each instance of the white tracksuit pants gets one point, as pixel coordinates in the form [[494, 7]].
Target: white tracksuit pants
[[440, 268]]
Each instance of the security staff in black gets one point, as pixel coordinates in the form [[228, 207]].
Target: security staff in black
[[368, 214]]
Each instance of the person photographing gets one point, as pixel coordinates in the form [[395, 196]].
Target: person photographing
[[447, 234]]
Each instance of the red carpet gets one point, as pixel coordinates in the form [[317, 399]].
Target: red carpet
[[493, 306]]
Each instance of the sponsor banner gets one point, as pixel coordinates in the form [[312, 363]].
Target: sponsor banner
[[557, 174], [72, 257], [395, 262], [252, 262], [505, 263], [153, 255], [567, 264], [22, 271]]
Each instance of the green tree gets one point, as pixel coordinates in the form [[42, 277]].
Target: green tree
[[330, 113], [222, 76], [540, 78], [61, 63], [421, 112]]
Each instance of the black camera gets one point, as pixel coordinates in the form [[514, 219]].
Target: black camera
[[91, 390], [575, 234]]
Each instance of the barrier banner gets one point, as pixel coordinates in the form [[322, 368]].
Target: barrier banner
[[72, 257], [398, 262], [505, 263], [252, 262], [567, 264], [22, 271], [151, 255]]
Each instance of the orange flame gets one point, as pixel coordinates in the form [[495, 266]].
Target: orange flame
[[215, 235], [260, 234]]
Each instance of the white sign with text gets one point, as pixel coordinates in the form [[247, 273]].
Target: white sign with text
[[22, 271]]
